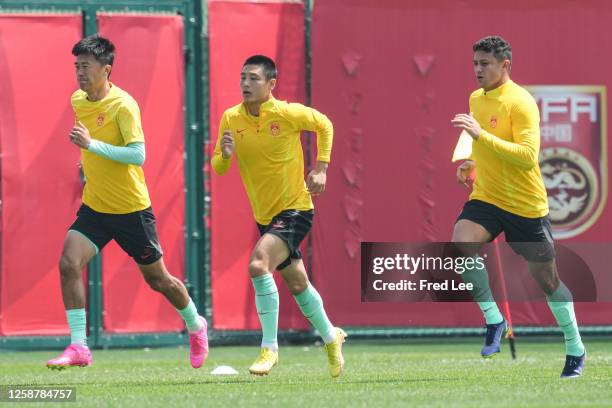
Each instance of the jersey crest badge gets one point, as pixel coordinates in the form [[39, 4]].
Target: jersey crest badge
[[275, 129], [493, 122], [100, 119]]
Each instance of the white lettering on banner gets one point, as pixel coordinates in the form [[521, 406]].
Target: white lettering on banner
[[557, 133], [574, 105]]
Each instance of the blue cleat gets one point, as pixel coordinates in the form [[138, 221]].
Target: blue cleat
[[495, 332], [573, 366]]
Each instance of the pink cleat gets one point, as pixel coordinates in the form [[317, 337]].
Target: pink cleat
[[198, 345], [74, 355]]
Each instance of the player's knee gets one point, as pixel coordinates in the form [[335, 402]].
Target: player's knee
[[546, 276], [546, 286], [297, 287], [69, 267], [166, 284], [258, 268], [550, 286], [158, 283]]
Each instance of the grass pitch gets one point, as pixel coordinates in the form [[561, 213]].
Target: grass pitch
[[441, 373]]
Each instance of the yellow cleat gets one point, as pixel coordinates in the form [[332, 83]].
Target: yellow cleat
[[264, 363], [334, 353]]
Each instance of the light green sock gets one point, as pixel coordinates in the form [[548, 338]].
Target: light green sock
[[482, 294], [491, 312], [77, 321], [191, 317], [266, 302], [311, 305], [561, 305]]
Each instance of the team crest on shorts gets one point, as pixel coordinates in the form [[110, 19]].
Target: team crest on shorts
[[493, 122], [101, 117], [573, 156], [274, 129]]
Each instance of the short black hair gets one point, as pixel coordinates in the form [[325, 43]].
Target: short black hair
[[102, 49], [496, 45], [268, 65]]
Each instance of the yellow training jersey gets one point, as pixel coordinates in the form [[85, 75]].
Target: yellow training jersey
[[506, 152], [269, 154], [111, 187]]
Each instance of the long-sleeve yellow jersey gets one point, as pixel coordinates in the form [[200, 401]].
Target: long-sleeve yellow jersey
[[269, 154], [506, 151]]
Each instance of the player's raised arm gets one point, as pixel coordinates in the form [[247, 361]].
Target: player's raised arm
[[224, 149], [523, 151], [134, 153], [311, 120], [131, 132], [130, 126]]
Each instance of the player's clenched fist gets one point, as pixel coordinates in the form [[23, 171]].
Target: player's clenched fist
[[227, 144], [465, 172], [79, 135]]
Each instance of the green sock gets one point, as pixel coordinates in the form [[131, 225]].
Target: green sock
[[266, 302], [77, 321], [191, 317], [562, 307], [311, 305], [491, 312], [482, 294]]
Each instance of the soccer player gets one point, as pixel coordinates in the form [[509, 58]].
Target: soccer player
[[509, 194], [263, 134], [116, 202]]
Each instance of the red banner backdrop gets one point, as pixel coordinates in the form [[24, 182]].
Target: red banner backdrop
[[36, 162], [391, 75], [386, 74], [237, 31], [149, 66]]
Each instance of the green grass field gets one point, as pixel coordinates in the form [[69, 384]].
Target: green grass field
[[440, 373]]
